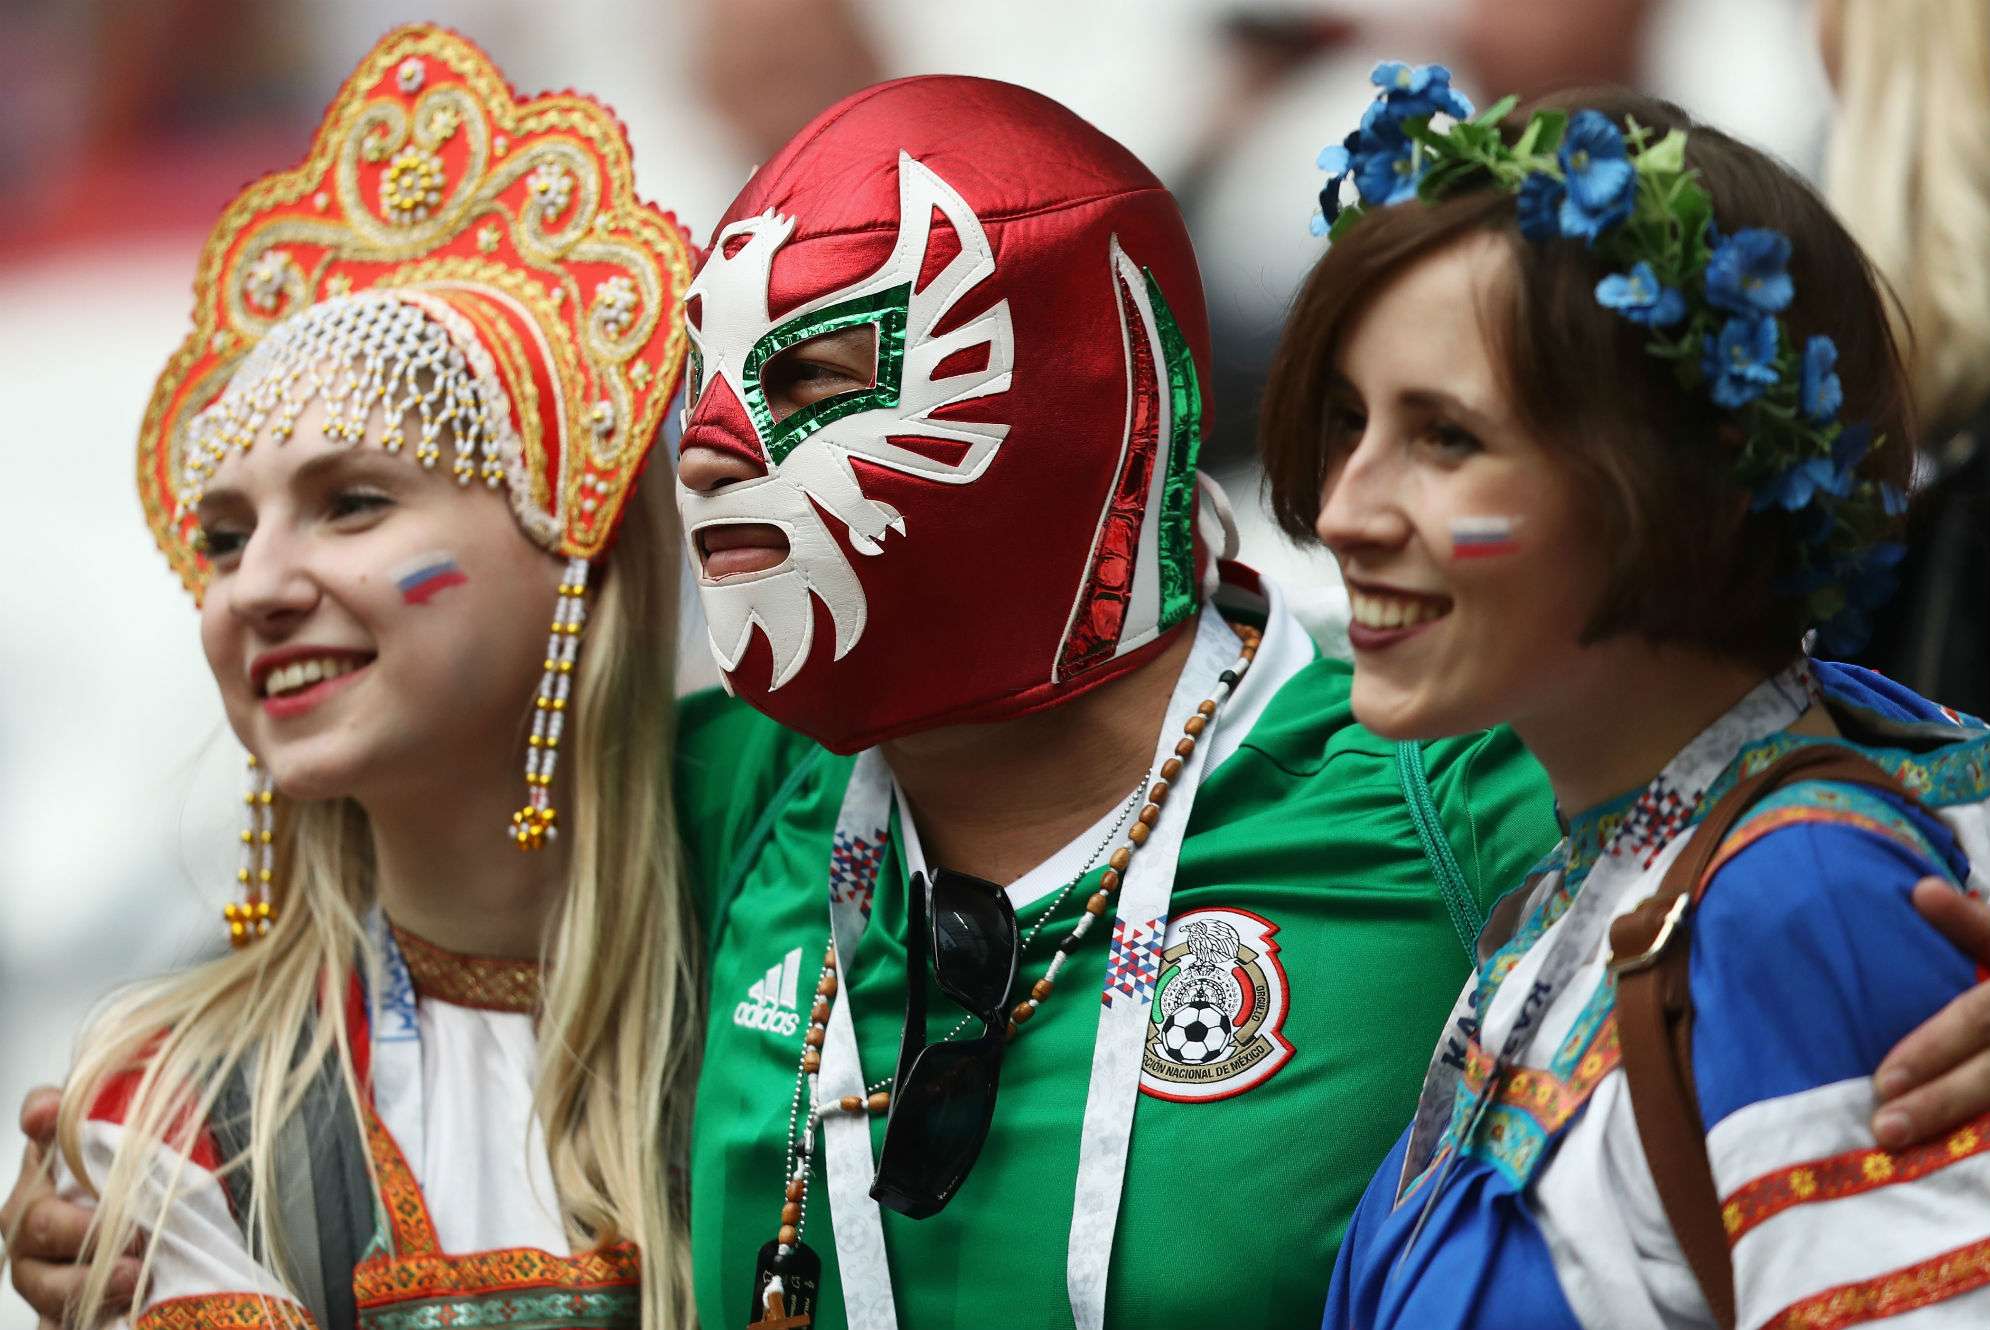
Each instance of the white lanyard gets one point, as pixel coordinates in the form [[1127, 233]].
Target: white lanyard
[[846, 1137], [1143, 897], [1133, 964]]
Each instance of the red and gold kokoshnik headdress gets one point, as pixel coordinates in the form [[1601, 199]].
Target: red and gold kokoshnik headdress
[[451, 270], [512, 225]]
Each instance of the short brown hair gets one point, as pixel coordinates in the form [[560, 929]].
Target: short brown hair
[[1688, 563]]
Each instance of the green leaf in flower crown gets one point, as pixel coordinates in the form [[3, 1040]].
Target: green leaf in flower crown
[[1418, 129], [1692, 209], [1441, 178], [1524, 146], [1474, 140], [1497, 112], [1666, 155], [1543, 133], [1686, 346], [1348, 217]]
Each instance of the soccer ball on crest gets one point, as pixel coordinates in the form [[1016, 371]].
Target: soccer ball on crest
[[1196, 1033]]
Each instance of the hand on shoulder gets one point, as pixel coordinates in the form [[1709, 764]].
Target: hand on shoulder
[[44, 1233]]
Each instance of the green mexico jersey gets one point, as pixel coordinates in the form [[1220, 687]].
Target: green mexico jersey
[[1262, 1112]]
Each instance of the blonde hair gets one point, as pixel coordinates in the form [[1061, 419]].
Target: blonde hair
[[621, 1024], [1909, 172]]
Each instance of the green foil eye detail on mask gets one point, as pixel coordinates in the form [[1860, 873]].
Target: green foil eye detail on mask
[[887, 311], [696, 385], [1177, 533]]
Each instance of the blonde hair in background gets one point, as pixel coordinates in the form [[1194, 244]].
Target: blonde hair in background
[[621, 1026], [1909, 172]]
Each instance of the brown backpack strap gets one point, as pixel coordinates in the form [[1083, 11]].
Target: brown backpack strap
[[1649, 954]]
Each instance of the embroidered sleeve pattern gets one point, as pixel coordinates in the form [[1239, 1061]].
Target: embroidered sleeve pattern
[[225, 1311], [1939, 1280], [1809, 962]]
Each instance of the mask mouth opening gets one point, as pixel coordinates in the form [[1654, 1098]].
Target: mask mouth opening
[[733, 549]]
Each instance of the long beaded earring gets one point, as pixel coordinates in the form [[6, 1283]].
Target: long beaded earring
[[251, 917], [533, 825]]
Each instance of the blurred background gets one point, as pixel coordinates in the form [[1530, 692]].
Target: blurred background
[[125, 125]]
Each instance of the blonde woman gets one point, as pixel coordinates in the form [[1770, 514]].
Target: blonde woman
[[1910, 174], [440, 1079]]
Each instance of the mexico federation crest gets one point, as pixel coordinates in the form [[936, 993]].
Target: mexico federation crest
[[1219, 1006]]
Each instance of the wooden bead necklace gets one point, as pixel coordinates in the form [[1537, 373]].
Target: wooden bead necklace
[[877, 1096]]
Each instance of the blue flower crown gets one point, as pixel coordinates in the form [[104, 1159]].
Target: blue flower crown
[[1709, 300]]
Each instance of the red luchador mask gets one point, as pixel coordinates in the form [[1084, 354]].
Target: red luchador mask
[[1007, 515]]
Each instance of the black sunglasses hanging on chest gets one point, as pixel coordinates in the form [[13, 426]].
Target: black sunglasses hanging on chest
[[944, 1096]]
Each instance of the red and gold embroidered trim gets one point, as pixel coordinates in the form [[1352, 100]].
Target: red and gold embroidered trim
[[407, 1213], [1946, 1276], [1543, 1096], [385, 1280], [417, 1268], [1761, 1199], [224, 1311], [1762, 824], [488, 983]]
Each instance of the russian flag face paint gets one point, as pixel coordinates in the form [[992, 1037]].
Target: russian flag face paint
[[1483, 537], [424, 577]]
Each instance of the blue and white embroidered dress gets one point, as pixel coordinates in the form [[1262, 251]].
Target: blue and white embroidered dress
[[1532, 1206]]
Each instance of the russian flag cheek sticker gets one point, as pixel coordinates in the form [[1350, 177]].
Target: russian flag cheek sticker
[[1484, 537], [427, 576]]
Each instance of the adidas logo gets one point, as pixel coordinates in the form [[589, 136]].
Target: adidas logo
[[770, 1004]]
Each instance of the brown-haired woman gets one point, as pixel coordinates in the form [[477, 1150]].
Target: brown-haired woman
[[1592, 469]]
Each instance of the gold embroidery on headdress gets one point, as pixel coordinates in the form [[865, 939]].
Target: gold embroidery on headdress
[[429, 176]]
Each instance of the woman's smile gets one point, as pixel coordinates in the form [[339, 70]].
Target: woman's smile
[[295, 680], [1385, 615]]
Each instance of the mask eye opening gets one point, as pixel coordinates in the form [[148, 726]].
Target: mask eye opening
[[822, 368], [859, 348]]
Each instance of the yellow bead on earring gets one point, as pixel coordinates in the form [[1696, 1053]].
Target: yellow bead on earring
[[251, 917], [536, 823]]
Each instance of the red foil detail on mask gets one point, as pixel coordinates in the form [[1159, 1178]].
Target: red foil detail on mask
[[1095, 630]]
